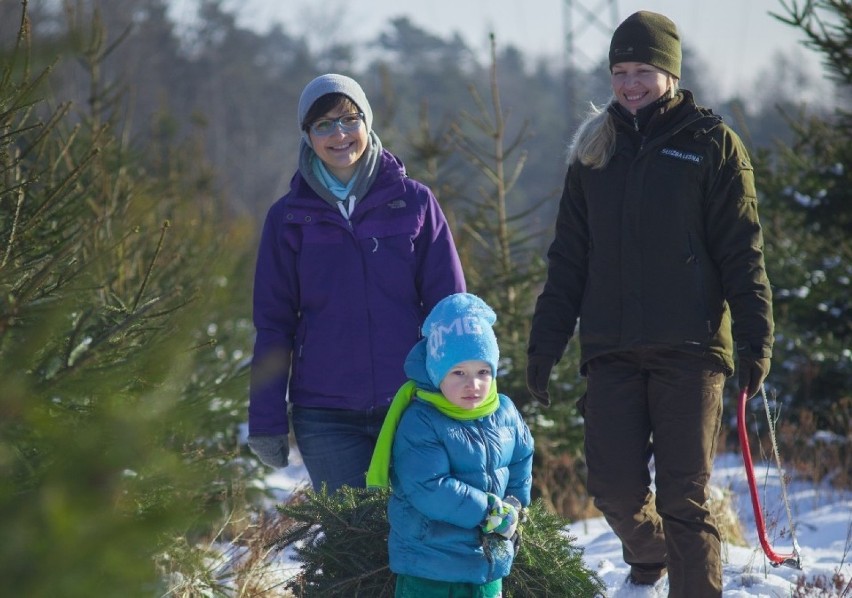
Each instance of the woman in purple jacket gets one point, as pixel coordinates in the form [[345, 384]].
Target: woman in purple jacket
[[350, 262]]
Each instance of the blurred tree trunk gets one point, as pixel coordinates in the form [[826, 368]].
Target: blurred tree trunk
[[502, 264]]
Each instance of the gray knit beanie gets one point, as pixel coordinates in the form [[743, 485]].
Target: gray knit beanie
[[647, 37], [332, 83]]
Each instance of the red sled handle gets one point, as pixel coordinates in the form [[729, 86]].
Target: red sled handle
[[775, 558]]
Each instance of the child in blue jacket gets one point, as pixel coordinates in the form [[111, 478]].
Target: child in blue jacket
[[459, 451]]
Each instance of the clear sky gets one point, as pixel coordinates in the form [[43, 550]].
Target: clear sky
[[736, 39]]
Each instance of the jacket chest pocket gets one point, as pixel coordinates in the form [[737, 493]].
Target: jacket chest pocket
[[387, 223], [322, 234]]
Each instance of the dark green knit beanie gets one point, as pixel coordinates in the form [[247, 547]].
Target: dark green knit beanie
[[647, 37]]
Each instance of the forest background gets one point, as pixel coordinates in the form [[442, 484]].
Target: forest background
[[139, 157]]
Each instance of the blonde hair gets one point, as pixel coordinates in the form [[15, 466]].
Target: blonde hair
[[594, 142]]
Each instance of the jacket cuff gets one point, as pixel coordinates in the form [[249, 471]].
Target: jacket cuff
[[755, 351]]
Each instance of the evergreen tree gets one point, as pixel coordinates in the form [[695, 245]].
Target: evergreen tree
[[807, 196], [106, 447], [341, 541], [502, 263]]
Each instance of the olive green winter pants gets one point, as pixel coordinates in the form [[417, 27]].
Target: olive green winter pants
[[665, 405]]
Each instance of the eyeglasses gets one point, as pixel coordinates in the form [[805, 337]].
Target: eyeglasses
[[347, 124]]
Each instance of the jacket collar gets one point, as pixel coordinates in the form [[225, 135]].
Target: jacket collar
[[388, 183], [665, 115]]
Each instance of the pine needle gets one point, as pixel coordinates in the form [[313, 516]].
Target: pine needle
[[341, 541]]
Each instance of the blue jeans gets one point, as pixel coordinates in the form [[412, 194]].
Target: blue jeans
[[336, 444]]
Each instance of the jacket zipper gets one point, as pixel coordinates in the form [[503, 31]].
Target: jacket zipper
[[693, 259]]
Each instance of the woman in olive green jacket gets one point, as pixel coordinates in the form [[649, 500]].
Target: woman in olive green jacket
[[658, 254]]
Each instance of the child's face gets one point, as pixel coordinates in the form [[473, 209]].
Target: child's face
[[466, 385]]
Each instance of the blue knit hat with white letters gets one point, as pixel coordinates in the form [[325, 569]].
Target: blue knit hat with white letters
[[459, 328], [333, 83]]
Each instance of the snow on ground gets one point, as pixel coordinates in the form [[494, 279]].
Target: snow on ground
[[822, 516]]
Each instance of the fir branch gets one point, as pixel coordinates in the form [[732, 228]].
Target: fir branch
[[341, 541]]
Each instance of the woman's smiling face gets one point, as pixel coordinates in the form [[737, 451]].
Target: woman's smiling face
[[340, 150], [636, 84]]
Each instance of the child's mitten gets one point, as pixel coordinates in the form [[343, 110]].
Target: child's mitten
[[522, 517], [502, 517]]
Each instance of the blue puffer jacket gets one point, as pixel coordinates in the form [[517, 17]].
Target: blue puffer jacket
[[345, 298], [441, 471]]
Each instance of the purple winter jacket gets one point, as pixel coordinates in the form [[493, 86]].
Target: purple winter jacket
[[345, 299]]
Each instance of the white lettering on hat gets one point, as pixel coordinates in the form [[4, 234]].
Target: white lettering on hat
[[458, 327]]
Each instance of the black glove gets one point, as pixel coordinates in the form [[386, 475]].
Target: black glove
[[271, 450], [538, 376], [752, 372]]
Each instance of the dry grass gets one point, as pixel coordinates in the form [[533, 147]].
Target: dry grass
[[559, 479], [725, 516], [236, 563], [817, 455], [821, 586]]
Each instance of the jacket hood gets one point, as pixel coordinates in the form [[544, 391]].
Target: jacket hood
[[415, 367]]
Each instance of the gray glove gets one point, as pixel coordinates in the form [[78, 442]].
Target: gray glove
[[271, 450]]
